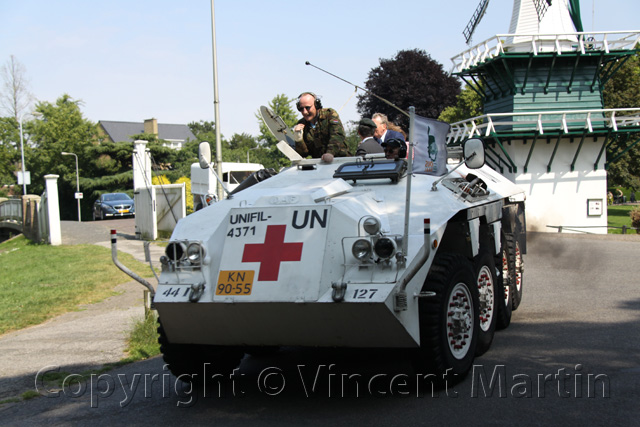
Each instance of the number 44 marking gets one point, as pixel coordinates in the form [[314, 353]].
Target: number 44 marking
[[364, 293]]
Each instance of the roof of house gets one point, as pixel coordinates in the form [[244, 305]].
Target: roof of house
[[122, 131]]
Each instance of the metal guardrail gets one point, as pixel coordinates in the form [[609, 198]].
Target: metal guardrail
[[583, 42]]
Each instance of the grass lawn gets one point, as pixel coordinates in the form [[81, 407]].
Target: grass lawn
[[617, 216], [41, 281]]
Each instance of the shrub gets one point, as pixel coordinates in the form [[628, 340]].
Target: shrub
[[635, 219]]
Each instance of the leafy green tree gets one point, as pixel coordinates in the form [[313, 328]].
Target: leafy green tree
[[110, 169], [352, 137], [411, 78], [9, 150], [469, 104], [60, 126], [204, 131], [281, 106], [623, 91]]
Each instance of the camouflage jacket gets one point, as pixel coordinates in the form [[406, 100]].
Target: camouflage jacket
[[327, 136]]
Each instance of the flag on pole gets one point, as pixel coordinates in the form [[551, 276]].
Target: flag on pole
[[430, 150]]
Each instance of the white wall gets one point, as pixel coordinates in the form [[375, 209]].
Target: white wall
[[559, 197]]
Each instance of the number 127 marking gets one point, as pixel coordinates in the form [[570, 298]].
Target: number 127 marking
[[364, 293]]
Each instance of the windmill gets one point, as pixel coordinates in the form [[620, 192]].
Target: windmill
[[544, 120], [533, 16]]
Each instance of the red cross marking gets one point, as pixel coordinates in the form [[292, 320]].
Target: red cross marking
[[272, 252]]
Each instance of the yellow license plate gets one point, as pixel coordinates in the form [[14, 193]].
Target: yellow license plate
[[123, 211], [235, 282]]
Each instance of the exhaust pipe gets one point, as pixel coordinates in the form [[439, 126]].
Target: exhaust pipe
[[134, 276]]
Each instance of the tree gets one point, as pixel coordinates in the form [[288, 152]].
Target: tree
[[469, 104], [281, 106], [411, 78], [623, 91], [15, 98], [9, 151], [60, 127], [204, 131]]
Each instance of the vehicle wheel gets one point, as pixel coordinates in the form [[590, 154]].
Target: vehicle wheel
[[505, 283], [102, 215], [517, 277], [187, 361], [449, 319], [485, 273], [93, 214]]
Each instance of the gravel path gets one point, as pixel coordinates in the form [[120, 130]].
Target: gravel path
[[82, 340]]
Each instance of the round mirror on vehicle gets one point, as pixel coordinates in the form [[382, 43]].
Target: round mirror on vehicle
[[474, 153], [204, 154]]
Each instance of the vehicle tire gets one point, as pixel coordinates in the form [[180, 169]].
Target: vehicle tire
[[102, 215], [518, 269], [505, 283], [486, 281], [449, 320], [93, 213], [187, 361]]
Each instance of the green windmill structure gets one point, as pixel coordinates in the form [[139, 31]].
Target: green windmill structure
[[544, 122]]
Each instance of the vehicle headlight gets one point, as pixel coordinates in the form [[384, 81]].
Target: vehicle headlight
[[385, 247], [195, 253], [175, 251], [371, 225], [361, 249]]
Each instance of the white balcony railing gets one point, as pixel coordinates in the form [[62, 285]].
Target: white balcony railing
[[544, 121], [560, 43]]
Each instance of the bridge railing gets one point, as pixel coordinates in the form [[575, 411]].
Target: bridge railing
[[11, 210]]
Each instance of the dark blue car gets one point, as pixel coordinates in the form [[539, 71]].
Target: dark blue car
[[113, 205]]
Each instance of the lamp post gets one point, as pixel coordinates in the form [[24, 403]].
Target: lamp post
[[77, 181], [24, 178]]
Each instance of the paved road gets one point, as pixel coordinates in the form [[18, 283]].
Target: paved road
[[84, 339], [571, 357]]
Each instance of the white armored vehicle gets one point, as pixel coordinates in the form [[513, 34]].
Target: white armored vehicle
[[355, 253]]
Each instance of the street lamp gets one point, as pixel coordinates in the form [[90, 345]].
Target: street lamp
[[77, 181], [24, 178]]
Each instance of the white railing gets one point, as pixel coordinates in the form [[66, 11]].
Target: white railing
[[535, 43], [483, 126], [11, 210]]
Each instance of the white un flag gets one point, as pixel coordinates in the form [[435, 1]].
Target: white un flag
[[430, 151]]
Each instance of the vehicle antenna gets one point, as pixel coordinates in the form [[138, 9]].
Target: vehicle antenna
[[362, 89]]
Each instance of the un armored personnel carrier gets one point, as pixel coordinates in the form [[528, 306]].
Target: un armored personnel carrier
[[354, 253]]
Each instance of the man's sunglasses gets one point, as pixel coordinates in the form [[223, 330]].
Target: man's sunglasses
[[308, 108]]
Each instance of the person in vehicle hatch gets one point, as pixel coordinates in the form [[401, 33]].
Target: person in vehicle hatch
[[319, 133]]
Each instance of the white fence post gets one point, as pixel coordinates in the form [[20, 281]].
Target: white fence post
[[53, 210]]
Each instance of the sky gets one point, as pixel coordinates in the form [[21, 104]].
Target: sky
[[139, 59]]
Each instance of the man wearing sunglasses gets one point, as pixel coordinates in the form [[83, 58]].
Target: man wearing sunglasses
[[319, 133]]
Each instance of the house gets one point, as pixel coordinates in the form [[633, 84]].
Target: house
[[175, 136]]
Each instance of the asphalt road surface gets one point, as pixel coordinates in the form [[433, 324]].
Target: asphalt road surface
[[570, 357]]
